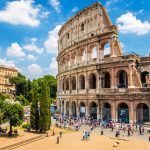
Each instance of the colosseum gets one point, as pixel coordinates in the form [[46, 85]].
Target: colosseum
[[95, 79]]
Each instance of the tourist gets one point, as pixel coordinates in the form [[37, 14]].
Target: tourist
[[117, 133], [53, 132], [60, 134], [57, 139], [140, 129]]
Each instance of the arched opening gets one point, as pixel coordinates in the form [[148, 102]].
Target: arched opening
[[106, 83], [83, 56], [82, 109], [67, 108], [122, 79], [93, 110], [142, 113], [92, 81], [123, 113], [107, 50], [94, 53], [63, 84], [81, 82], [73, 82], [106, 111], [62, 107], [144, 76], [82, 26], [73, 109], [67, 83]]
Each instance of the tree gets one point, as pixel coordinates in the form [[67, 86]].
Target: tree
[[45, 118], [20, 82], [22, 100], [13, 112], [34, 115], [52, 83]]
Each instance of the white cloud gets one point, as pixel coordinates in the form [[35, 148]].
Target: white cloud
[[75, 9], [51, 44], [109, 4], [55, 4], [15, 50], [34, 70], [53, 64], [31, 57], [8, 63], [33, 47], [20, 12], [44, 14], [122, 45], [128, 23]]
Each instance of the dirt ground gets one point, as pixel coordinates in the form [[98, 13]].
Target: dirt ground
[[72, 141]]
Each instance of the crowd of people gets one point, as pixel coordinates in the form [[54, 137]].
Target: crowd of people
[[77, 122]]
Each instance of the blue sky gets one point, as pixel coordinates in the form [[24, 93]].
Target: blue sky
[[28, 30]]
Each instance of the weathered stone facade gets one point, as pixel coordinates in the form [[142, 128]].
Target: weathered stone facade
[[5, 73], [97, 81]]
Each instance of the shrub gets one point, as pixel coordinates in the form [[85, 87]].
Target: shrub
[[25, 125]]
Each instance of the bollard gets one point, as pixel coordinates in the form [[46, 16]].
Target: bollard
[[102, 132]]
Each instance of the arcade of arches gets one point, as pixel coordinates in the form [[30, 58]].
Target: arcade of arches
[[95, 79], [122, 112]]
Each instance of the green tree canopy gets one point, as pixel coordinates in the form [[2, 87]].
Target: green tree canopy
[[12, 112]]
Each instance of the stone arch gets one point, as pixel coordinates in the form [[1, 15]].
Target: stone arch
[[81, 82], [123, 112], [82, 26], [106, 111], [94, 52], [82, 55], [92, 81], [73, 58], [106, 49], [144, 76], [82, 109], [106, 80], [67, 83], [122, 79], [73, 83], [67, 108], [63, 64], [142, 113], [73, 108], [62, 107], [63, 84], [93, 110], [67, 61]]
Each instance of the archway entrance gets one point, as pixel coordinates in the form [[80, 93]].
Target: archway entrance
[[142, 113], [62, 108], [82, 109], [123, 113], [81, 82], [106, 80], [106, 111], [93, 110], [67, 108], [73, 109], [122, 79], [92, 81], [143, 78]]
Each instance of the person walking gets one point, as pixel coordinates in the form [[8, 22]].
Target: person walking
[[140, 129], [57, 139], [60, 134]]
